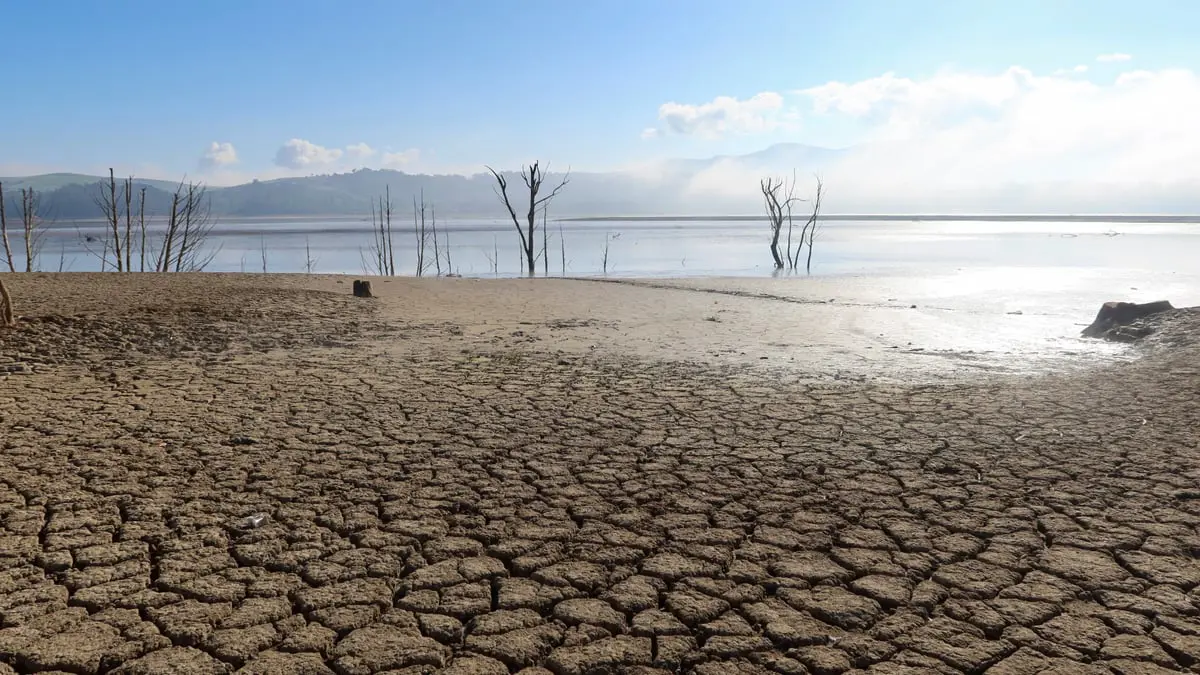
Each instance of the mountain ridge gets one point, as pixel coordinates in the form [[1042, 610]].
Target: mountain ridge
[[71, 196]]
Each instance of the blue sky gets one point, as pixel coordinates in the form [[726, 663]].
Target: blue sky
[[449, 85]]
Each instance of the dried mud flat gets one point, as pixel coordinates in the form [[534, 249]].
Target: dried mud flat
[[465, 493]]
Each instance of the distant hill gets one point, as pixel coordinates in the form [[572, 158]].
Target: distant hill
[[52, 181], [67, 196]]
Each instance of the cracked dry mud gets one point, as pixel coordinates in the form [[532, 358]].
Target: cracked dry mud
[[439, 500]]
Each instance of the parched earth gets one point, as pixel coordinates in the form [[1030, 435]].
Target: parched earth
[[218, 474]]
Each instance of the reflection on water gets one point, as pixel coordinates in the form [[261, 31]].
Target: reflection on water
[[997, 266], [683, 248]]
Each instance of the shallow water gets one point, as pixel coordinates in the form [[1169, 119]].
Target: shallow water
[[989, 282], [680, 248]]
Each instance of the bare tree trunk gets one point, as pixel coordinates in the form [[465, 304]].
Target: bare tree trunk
[[114, 219], [545, 245], [185, 240], [391, 257], [128, 224], [376, 242], [309, 263], [142, 228], [787, 254], [420, 233], [31, 225], [811, 225], [417, 236], [163, 261], [437, 257], [533, 177], [262, 247], [8, 255], [775, 213], [107, 202], [604, 264], [562, 248], [383, 271], [6, 306]]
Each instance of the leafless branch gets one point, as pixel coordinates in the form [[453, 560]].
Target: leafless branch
[[31, 226], [533, 176]]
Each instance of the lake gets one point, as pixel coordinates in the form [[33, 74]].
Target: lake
[[1018, 290], [1001, 264]]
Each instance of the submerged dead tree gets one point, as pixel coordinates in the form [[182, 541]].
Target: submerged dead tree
[[533, 177], [31, 226], [778, 210], [383, 260], [809, 232], [126, 244], [779, 196], [189, 224], [421, 232], [109, 204], [8, 254]]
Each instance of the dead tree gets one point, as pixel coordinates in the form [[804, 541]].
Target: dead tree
[[383, 259], [545, 247], [309, 262], [387, 216], [31, 226], [421, 233], [142, 230], [810, 227], [777, 212], [437, 256], [533, 177], [8, 254], [7, 316], [107, 202], [187, 228], [562, 248], [189, 224], [127, 245]]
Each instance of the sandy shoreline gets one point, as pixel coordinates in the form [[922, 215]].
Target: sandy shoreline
[[579, 477]]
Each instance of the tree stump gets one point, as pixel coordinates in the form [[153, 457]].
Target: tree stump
[[1114, 315], [362, 289]]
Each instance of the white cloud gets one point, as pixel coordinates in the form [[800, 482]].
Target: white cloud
[[650, 133], [402, 158], [219, 155], [1007, 141], [1114, 57], [1079, 69], [723, 115], [301, 154], [359, 151]]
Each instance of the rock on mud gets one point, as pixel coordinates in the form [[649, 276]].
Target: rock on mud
[[1113, 320]]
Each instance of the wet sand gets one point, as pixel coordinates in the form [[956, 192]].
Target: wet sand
[[580, 477]]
